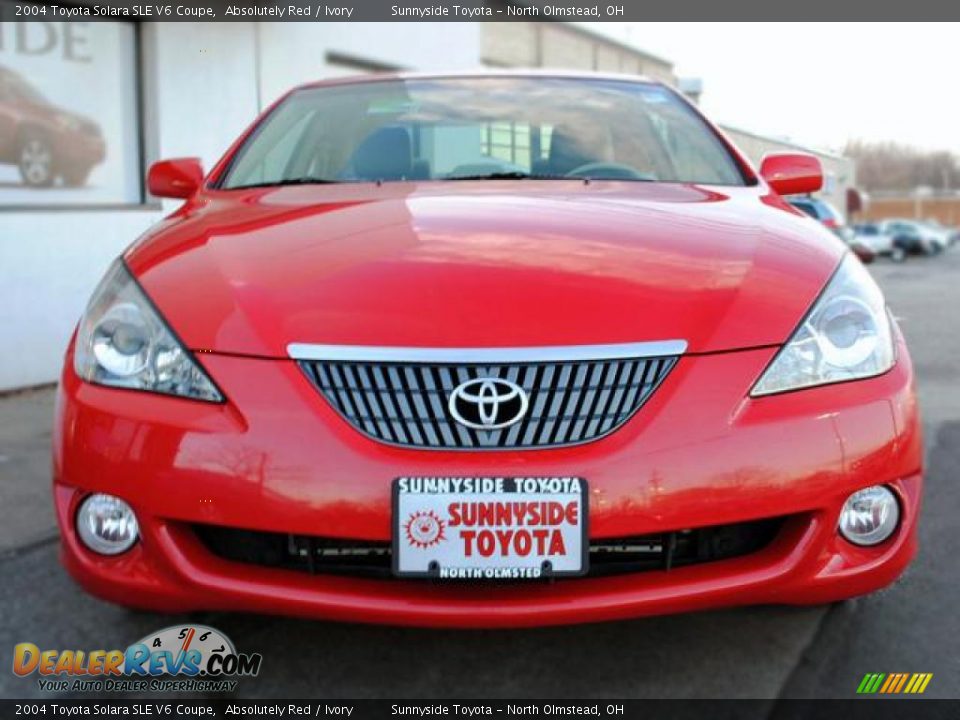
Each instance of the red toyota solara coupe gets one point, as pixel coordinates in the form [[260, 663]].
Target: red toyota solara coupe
[[486, 350]]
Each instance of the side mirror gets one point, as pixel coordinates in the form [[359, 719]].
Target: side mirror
[[792, 173], [177, 178]]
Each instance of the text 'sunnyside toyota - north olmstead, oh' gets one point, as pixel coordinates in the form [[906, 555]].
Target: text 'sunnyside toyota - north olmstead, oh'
[[486, 350]]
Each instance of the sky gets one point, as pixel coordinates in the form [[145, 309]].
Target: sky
[[818, 83]]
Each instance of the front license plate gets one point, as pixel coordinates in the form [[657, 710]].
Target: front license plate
[[489, 528]]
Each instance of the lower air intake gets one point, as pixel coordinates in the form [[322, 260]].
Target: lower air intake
[[659, 551]]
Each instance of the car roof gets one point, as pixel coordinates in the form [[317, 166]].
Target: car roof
[[479, 73]]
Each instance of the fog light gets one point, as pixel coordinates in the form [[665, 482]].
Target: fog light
[[106, 524], [869, 516]]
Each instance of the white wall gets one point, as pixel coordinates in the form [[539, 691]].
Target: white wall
[[50, 263], [202, 85]]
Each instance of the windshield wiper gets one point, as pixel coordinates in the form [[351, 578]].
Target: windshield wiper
[[288, 181], [508, 175]]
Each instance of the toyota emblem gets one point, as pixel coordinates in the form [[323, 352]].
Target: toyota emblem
[[488, 403]]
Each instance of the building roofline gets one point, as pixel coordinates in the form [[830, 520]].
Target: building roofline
[[781, 141]]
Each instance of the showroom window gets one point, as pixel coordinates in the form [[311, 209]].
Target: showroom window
[[516, 143], [69, 113]]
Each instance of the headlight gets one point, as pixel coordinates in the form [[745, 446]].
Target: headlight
[[845, 336], [123, 342]]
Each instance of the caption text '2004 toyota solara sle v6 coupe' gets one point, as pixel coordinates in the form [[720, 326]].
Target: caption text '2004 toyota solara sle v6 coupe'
[[486, 350]]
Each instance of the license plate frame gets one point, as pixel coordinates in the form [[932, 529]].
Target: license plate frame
[[408, 552]]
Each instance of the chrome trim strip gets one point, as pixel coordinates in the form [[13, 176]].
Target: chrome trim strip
[[470, 356]]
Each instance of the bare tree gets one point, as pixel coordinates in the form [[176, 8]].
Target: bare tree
[[889, 166]]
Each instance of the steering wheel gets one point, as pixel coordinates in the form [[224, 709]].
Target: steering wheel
[[609, 171]]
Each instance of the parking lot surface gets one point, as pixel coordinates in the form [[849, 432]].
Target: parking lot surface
[[760, 652]]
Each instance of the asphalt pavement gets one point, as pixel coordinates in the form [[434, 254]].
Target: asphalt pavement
[[758, 652]]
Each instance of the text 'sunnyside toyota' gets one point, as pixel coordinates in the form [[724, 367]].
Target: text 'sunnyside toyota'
[[497, 349]]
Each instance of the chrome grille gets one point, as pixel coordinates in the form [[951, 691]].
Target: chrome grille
[[405, 403]]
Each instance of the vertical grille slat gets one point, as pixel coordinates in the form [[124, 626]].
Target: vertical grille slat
[[568, 401], [570, 405], [385, 392], [356, 393], [430, 427], [589, 412], [370, 395], [555, 399], [439, 412], [588, 401], [409, 417], [636, 383], [527, 381], [624, 371], [538, 403], [337, 387]]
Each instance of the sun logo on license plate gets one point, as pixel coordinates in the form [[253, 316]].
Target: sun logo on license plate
[[424, 529]]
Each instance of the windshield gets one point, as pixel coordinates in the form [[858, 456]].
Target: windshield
[[476, 128]]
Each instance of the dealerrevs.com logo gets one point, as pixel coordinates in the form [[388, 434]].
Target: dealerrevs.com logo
[[182, 658]]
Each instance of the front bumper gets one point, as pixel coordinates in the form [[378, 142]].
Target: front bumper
[[278, 458]]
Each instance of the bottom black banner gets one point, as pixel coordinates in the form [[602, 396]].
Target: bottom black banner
[[866, 708]]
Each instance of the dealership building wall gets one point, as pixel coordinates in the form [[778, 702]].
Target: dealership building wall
[[190, 89], [941, 208]]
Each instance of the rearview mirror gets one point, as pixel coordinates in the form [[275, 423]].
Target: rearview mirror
[[792, 173], [176, 178]]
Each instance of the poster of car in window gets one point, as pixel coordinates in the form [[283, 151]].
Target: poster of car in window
[[68, 113]]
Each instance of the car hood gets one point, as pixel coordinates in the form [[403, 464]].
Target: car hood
[[484, 264]]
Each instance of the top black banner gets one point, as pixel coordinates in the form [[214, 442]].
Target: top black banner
[[481, 11]]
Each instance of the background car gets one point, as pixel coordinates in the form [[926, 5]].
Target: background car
[[950, 234], [820, 210], [43, 140], [897, 247], [831, 218], [930, 240]]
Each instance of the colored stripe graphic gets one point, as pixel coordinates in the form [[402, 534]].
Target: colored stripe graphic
[[894, 683], [891, 680]]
